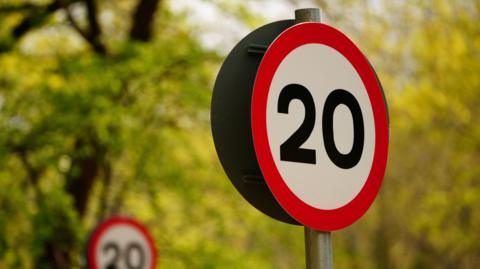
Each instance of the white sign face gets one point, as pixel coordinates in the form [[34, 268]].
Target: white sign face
[[319, 126], [320, 70], [121, 243]]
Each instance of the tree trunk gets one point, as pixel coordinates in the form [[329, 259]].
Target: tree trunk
[[88, 157], [83, 172], [95, 32], [143, 17]]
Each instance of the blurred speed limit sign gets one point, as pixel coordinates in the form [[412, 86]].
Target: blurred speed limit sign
[[121, 243], [319, 126]]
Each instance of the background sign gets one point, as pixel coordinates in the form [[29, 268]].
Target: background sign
[[320, 126], [121, 243]]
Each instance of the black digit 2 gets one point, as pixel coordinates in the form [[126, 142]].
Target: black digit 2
[[128, 252], [112, 264], [334, 99], [290, 150]]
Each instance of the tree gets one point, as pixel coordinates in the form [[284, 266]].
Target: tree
[[427, 61], [69, 117], [101, 116]]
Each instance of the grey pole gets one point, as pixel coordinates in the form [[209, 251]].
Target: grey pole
[[318, 245], [307, 15], [318, 249]]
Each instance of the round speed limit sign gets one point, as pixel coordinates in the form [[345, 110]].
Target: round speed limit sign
[[121, 243], [319, 126]]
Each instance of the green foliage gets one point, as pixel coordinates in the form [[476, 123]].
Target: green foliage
[[427, 214], [140, 115]]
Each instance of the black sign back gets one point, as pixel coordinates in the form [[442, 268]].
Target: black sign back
[[230, 119]]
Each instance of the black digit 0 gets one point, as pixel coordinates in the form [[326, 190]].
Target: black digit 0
[[334, 99], [128, 256], [290, 150], [112, 264]]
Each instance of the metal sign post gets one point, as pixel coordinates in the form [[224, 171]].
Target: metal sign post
[[318, 249], [318, 245]]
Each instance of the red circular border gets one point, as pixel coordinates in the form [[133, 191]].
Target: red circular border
[[116, 220], [287, 41]]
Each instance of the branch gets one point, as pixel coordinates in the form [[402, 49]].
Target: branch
[[92, 35], [74, 23], [38, 16], [94, 31], [143, 18], [20, 8]]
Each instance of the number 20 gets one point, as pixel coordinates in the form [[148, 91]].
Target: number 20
[[128, 252], [291, 151]]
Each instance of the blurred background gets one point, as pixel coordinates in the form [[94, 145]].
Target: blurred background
[[104, 109]]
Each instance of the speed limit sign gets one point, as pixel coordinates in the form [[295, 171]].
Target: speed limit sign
[[319, 126], [300, 124], [121, 243]]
